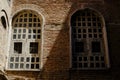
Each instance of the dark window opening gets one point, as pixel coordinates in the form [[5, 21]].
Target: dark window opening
[[83, 24], [96, 47], [33, 47], [85, 65], [85, 58], [74, 58], [91, 65], [18, 47], [39, 25], [80, 58], [80, 65], [79, 47], [79, 35], [12, 59], [74, 65], [32, 59], [79, 30], [91, 58], [37, 59], [27, 59], [32, 66], [3, 22], [84, 30], [37, 66]]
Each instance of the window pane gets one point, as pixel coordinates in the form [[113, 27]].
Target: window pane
[[96, 47], [18, 47], [32, 66], [37, 59], [79, 47], [12, 59], [21, 65], [15, 30], [32, 59], [74, 58], [22, 59], [74, 65], [16, 65], [14, 36], [27, 59], [11, 65], [38, 36], [37, 66], [27, 66], [17, 59]]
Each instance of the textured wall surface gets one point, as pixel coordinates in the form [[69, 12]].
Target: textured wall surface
[[56, 39], [4, 14]]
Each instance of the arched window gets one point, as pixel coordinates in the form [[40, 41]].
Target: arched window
[[89, 42], [25, 49]]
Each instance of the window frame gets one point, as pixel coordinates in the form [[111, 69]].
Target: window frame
[[38, 15], [104, 41]]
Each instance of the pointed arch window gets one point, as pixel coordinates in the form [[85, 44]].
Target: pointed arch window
[[25, 50], [89, 42]]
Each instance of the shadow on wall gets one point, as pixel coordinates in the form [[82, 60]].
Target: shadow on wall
[[57, 63], [57, 46], [56, 51], [2, 77]]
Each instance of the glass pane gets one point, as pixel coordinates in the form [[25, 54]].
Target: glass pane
[[37, 66], [16, 65], [27, 59], [24, 36], [24, 30], [17, 59], [74, 65], [39, 31], [22, 59], [11, 65], [32, 59], [15, 30], [38, 37], [14, 36], [19, 36], [37, 59], [12, 59], [32, 66], [30, 15], [29, 36], [27, 66], [21, 65]]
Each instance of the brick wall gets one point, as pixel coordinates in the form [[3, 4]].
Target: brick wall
[[56, 38]]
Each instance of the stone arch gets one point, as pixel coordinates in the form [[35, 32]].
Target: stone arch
[[92, 9], [4, 19], [33, 7]]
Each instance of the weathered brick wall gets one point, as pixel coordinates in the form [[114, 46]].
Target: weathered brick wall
[[56, 38]]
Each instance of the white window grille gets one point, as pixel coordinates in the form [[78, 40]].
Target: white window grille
[[25, 47]]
